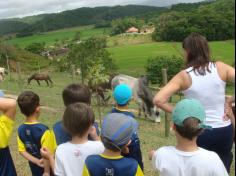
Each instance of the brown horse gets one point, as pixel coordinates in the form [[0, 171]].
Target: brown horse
[[40, 77]]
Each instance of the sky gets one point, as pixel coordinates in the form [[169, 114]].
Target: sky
[[21, 8]]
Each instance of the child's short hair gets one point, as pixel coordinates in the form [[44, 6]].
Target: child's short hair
[[108, 144], [190, 128], [28, 101], [76, 93], [78, 118]]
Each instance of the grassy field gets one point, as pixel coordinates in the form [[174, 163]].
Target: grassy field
[[132, 59], [64, 34], [151, 134]]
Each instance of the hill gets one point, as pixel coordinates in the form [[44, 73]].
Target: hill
[[77, 17]]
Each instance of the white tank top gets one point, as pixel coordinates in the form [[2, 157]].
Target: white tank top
[[210, 91]]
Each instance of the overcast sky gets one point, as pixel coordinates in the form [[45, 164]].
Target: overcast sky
[[21, 8]]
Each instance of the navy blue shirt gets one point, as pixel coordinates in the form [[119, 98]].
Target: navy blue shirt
[[62, 136], [99, 165], [7, 167], [30, 135]]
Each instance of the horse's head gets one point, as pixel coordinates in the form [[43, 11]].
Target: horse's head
[[144, 80]]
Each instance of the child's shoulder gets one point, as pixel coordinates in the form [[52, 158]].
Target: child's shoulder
[[36, 126]]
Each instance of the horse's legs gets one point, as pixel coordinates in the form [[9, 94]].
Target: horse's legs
[[49, 79], [38, 82], [47, 82]]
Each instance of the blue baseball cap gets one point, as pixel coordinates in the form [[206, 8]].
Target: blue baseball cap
[[122, 94], [118, 128], [189, 108]]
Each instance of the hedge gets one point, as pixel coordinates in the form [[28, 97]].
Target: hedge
[[154, 67]]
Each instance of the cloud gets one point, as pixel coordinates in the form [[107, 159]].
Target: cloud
[[20, 8]]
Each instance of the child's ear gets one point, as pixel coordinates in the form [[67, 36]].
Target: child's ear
[[128, 143], [38, 109]]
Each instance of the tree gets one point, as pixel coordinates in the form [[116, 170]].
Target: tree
[[35, 48], [90, 52]]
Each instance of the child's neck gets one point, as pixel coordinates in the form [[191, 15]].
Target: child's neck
[[186, 145], [79, 140], [111, 153], [122, 107], [32, 118]]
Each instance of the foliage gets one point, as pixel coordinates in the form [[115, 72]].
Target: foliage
[[28, 60], [119, 26], [154, 67], [215, 21], [35, 48], [91, 51], [78, 17], [96, 74]]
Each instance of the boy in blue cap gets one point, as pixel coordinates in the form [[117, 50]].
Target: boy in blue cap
[[186, 158], [122, 95], [116, 133]]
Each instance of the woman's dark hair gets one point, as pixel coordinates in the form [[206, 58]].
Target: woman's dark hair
[[190, 129], [76, 93], [78, 118], [198, 53], [28, 101]]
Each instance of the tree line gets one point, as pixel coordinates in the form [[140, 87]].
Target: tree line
[[216, 21]]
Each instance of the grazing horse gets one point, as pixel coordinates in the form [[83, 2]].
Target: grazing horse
[[3, 72], [101, 88], [141, 94], [40, 77]]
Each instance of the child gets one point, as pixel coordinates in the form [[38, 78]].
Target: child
[[72, 94], [116, 133], [33, 135], [70, 157], [122, 95], [8, 109], [187, 159]]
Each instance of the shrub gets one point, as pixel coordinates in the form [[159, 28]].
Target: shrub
[[154, 67]]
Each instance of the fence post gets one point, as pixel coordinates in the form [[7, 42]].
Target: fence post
[[73, 72], [167, 121], [19, 74], [8, 67]]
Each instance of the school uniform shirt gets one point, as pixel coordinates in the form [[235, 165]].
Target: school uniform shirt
[[98, 165], [61, 136], [170, 161], [31, 138], [7, 167], [134, 148], [70, 158]]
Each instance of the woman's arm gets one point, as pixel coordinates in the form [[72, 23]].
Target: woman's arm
[[176, 84]]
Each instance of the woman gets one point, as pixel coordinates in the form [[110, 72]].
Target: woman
[[206, 81]]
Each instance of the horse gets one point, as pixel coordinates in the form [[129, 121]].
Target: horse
[[101, 88], [3, 72], [141, 94], [40, 77]]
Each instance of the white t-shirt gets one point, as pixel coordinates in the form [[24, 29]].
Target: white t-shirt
[[70, 158], [172, 162]]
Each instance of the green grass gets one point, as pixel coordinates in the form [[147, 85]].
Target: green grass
[[50, 37], [151, 134], [132, 59]]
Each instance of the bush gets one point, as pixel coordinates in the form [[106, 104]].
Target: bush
[[154, 67]]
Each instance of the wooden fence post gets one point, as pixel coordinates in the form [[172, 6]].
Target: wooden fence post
[[167, 121], [19, 74], [73, 72], [8, 67]]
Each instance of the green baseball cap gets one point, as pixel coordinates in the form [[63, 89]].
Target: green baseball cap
[[189, 108]]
